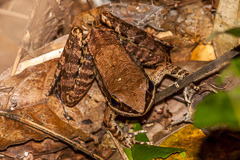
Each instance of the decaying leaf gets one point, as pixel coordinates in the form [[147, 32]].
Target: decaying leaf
[[13, 132], [46, 111], [31, 83]]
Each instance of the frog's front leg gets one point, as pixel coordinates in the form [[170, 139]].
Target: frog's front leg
[[116, 130], [176, 72], [127, 139]]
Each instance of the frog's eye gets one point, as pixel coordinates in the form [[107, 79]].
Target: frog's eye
[[150, 86], [115, 102]]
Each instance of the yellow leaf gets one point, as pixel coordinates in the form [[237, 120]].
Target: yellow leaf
[[203, 53], [189, 138]]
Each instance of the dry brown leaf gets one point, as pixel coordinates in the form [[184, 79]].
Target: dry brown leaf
[[36, 148], [28, 93], [28, 88], [13, 132]]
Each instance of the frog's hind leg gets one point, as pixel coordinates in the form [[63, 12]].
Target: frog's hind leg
[[138, 43], [71, 53], [74, 71], [147, 57], [83, 80]]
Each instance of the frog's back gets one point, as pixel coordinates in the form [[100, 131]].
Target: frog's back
[[118, 74]]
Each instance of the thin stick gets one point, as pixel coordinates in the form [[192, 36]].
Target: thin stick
[[32, 124], [25, 38], [16, 62], [207, 70], [120, 149]]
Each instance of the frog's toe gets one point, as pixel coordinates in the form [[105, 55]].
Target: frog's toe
[[129, 139], [186, 119], [189, 91], [128, 142], [137, 132], [142, 143]]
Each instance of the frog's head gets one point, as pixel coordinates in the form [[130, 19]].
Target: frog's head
[[136, 101]]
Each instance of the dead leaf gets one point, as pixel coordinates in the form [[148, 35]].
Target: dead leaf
[[33, 83], [13, 132]]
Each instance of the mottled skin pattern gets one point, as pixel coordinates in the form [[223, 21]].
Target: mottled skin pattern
[[75, 70], [115, 55], [137, 42]]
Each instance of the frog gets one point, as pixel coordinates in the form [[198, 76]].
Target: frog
[[115, 54]]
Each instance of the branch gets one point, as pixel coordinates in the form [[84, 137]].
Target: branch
[[205, 71]]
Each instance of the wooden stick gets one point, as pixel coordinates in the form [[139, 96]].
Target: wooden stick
[[16, 62], [120, 149], [205, 71], [26, 37]]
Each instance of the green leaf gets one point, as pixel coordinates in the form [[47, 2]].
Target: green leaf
[[146, 152], [222, 108], [234, 31], [216, 109], [142, 137], [233, 68], [235, 99], [128, 152]]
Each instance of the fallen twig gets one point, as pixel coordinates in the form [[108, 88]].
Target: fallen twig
[[120, 149], [205, 71]]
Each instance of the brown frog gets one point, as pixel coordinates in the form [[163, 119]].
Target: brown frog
[[115, 54]]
